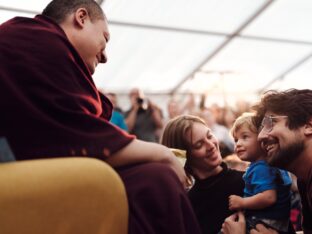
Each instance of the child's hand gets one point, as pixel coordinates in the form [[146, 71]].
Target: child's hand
[[236, 202]]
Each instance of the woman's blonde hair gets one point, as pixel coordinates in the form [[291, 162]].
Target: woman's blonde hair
[[246, 119]]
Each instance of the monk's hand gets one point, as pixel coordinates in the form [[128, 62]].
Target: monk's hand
[[260, 228], [234, 224], [176, 165], [236, 202]]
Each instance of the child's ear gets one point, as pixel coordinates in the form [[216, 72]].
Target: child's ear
[[308, 128]]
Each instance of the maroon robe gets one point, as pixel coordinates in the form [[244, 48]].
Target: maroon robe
[[50, 107], [49, 103]]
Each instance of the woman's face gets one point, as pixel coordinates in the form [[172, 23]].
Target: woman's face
[[204, 148]]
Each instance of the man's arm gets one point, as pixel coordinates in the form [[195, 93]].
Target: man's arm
[[261, 229], [258, 201], [236, 224], [138, 151]]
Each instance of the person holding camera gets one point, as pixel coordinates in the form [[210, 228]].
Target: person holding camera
[[144, 118]]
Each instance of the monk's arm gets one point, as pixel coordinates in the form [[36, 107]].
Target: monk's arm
[[138, 151]]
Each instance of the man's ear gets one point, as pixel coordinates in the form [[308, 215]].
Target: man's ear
[[81, 15], [308, 128]]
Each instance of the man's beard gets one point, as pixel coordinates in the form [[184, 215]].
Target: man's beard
[[286, 156]]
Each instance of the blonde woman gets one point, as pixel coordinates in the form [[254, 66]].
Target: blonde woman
[[213, 180]]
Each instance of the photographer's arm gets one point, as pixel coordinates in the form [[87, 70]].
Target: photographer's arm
[[131, 118], [156, 115]]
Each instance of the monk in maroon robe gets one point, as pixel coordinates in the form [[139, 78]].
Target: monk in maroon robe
[[50, 107]]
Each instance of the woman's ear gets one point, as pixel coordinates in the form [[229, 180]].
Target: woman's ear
[[308, 128], [81, 15]]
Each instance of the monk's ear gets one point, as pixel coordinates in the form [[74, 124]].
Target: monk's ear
[[308, 128], [81, 15]]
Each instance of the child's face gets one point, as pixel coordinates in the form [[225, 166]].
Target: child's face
[[247, 147]]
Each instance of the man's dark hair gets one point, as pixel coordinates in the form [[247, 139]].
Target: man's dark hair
[[58, 10], [294, 103]]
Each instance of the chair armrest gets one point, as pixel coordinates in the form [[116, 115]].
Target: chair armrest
[[63, 195]]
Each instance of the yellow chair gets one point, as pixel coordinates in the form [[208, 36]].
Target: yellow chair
[[64, 195]]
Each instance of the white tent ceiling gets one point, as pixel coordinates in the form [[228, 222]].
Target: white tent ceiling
[[237, 48]]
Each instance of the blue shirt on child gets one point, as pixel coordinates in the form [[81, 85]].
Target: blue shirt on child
[[260, 177]]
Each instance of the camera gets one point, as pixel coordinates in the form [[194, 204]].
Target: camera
[[140, 100], [142, 103]]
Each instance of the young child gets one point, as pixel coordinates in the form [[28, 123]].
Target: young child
[[267, 189]]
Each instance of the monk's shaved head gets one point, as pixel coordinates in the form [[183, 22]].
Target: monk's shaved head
[[58, 10]]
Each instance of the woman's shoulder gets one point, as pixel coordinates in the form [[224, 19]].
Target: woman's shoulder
[[235, 175]]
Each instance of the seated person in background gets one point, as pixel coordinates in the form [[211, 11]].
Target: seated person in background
[[117, 118], [144, 118], [214, 181], [51, 108], [267, 189]]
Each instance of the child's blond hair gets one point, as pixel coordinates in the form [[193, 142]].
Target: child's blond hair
[[246, 119]]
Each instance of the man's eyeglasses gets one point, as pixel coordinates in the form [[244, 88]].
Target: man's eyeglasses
[[267, 122]]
